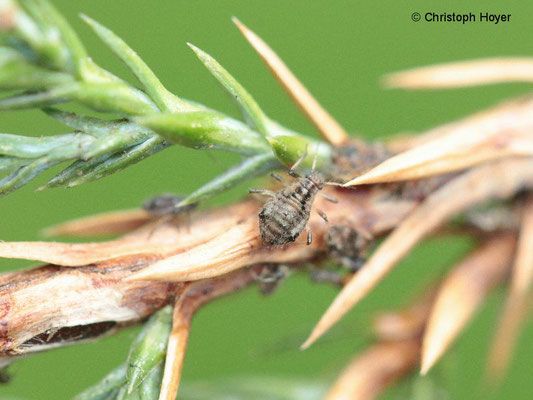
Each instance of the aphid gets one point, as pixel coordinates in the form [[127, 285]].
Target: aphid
[[270, 277], [286, 213], [347, 246], [166, 204], [336, 278], [5, 377]]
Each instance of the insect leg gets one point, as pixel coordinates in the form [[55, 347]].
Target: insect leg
[[262, 192], [328, 276], [276, 177], [158, 223], [294, 174], [270, 276], [322, 215], [309, 236], [328, 198]]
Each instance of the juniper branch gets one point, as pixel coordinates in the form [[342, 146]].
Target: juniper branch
[[46, 64]]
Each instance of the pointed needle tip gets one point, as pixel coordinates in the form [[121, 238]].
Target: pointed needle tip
[[139, 276], [197, 50], [353, 182], [315, 334], [243, 28], [130, 388], [86, 18], [306, 344], [389, 81]]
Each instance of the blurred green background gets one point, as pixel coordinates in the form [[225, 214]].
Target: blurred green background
[[340, 50]]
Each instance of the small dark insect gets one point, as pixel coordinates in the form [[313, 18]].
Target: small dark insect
[[347, 246], [4, 376], [286, 213], [166, 204], [270, 277], [336, 278]]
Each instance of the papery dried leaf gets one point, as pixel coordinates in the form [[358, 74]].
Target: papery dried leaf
[[242, 245], [497, 180], [330, 129], [514, 312], [516, 306], [51, 306], [164, 241], [502, 132], [370, 373], [7, 16], [461, 294], [463, 74], [522, 276], [110, 223], [177, 345], [196, 295], [405, 324]]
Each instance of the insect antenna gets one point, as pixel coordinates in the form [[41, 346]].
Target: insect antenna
[[322, 215], [292, 171], [314, 158], [329, 198], [262, 192]]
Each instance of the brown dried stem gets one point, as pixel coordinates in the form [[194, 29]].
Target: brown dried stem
[[497, 180], [88, 284], [371, 372], [194, 296]]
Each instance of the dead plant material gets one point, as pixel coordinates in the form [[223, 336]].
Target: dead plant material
[[461, 294], [193, 297], [464, 74], [496, 180], [241, 244], [7, 16], [515, 309], [330, 129], [373, 371], [87, 293], [405, 324], [501, 132]]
